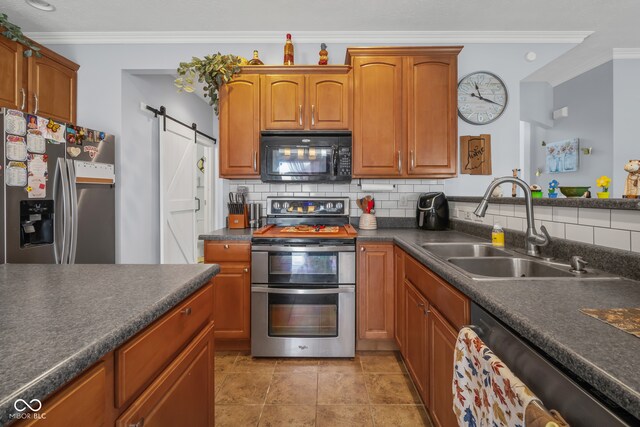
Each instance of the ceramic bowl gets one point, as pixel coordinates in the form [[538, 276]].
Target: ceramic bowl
[[574, 191]]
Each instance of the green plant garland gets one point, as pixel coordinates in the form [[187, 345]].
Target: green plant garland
[[14, 33], [213, 71]]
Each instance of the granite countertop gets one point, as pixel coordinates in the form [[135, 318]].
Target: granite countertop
[[544, 312], [58, 320], [572, 202], [228, 234]]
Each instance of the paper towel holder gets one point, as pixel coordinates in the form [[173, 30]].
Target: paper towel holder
[[376, 188]]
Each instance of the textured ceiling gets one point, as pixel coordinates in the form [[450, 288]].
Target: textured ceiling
[[614, 22]]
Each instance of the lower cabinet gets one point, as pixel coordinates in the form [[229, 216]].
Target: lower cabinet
[[375, 292], [415, 352], [441, 352], [181, 393], [232, 293], [400, 329]]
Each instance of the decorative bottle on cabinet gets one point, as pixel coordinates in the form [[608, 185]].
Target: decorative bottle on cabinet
[[256, 60], [288, 51]]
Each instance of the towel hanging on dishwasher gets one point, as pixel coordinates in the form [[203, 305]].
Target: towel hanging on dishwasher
[[486, 393]]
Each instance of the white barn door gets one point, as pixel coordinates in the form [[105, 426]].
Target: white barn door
[[178, 204]]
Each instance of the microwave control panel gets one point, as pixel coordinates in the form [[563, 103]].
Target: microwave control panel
[[344, 161]]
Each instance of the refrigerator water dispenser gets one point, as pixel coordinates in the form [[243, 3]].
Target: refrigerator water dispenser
[[36, 222]]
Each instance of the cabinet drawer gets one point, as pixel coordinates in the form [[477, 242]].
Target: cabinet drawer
[[453, 305], [227, 252], [183, 394], [81, 403], [144, 356]]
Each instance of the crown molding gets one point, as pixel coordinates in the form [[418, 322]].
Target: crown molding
[[626, 53], [581, 67], [255, 37]]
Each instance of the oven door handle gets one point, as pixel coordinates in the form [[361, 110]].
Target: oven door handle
[[298, 291], [266, 248]]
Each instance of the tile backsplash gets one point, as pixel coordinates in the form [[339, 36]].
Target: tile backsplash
[[401, 202], [613, 228]]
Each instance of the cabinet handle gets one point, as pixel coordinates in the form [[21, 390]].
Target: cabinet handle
[[413, 159], [300, 114], [35, 96], [313, 114], [255, 161], [361, 248], [226, 246], [186, 311], [24, 98], [421, 305], [138, 424], [246, 270], [399, 161]]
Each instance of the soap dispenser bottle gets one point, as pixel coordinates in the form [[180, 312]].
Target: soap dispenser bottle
[[497, 236]]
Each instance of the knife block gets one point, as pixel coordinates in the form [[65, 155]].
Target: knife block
[[239, 220]]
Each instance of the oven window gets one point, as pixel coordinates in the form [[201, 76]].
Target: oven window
[[299, 160], [307, 267], [303, 315]]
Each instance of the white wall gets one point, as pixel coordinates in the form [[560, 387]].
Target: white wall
[[589, 98], [626, 110], [138, 160], [100, 101], [536, 103]]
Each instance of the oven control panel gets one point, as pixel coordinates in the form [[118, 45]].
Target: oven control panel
[[301, 206]]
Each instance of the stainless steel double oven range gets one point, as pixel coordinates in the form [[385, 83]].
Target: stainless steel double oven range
[[303, 300]]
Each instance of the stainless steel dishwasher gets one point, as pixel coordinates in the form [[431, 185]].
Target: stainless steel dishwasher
[[556, 390]]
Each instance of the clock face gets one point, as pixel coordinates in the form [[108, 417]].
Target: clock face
[[482, 98]]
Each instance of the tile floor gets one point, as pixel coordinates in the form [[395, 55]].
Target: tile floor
[[373, 389]]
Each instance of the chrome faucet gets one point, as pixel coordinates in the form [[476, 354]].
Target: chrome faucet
[[534, 239]]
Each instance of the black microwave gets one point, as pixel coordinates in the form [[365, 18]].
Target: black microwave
[[305, 156]]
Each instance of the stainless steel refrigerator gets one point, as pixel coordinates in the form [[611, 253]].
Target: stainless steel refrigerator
[[57, 203]]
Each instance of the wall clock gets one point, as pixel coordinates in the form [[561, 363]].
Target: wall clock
[[482, 98]]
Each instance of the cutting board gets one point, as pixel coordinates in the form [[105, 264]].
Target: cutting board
[[343, 232]]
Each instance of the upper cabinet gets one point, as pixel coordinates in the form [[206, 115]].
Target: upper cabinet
[[404, 118], [44, 85], [278, 98]]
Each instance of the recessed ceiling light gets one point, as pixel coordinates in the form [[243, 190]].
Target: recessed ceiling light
[[530, 56], [41, 5]]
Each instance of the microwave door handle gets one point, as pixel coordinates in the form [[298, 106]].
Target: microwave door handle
[[298, 291], [335, 160]]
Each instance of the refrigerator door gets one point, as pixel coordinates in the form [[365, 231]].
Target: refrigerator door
[[38, 253], [93, 234]]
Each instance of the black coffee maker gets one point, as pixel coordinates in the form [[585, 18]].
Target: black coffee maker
[[432, 212]]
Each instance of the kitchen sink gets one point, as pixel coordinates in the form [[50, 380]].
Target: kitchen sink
[[508, 267], [448, 250]]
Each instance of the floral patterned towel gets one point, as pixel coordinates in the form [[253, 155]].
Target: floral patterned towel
[[486, 393]]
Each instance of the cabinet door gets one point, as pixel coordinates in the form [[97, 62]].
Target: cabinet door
[[12, 89], [240, 127], [183, 394], [52, 89], [399, 298], [431, 84], [415, 344], [283, 102], [378, 148], [441, 352], [232, 302], [375, 292], [329, 102]]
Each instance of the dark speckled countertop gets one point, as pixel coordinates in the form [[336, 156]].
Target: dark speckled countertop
[[544, 312], [57, 320]]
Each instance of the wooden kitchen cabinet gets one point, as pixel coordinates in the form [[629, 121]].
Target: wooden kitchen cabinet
[[182, 394], [442, 346], [283, 102], [13, 91], [240, 127], [405, 111], [329, 102], [400, 316], [232, 293], [44, 85], [375, 291], [417, 338]]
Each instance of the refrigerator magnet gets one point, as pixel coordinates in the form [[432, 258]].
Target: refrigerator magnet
[[37, 166], [14, 122], [92, 150], [74, 151], [16, 174], [52, 131], [72, 135], [37, 187], [32, 121], [36, 142], [16, 148]]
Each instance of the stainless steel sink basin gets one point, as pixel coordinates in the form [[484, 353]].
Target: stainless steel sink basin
[[448, 250], [508, 267]]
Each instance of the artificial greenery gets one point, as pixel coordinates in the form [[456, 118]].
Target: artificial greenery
[[213, 71], [14, 33]]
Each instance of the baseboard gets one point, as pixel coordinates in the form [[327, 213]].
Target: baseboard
[[232, 345], [376, 345]]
